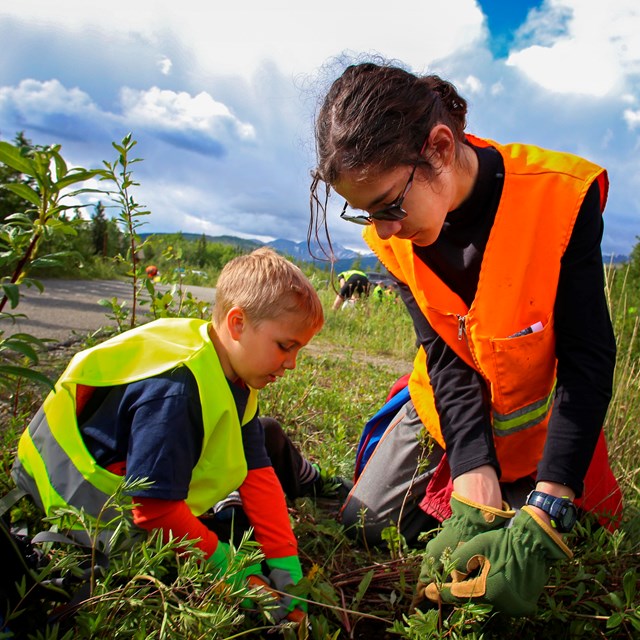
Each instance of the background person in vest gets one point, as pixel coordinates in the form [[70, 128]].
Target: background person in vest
[[497, 252], [174, 401], [353, 284]]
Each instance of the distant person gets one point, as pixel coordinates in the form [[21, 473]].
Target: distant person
[[175, 401], [497, 251], [353, 284]]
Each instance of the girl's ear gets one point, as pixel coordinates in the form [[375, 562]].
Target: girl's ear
[[235, 322], [443, 145]]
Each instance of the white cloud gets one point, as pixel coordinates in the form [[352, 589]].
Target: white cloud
[[632, 118], [581, 46], [165, 65], [40, 99], [235, 37], [471, 84], [180, 112]]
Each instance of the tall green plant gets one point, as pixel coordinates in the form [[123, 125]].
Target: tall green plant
[[131, 214]]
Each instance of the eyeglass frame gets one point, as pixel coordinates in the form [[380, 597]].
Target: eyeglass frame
[[385, 214]]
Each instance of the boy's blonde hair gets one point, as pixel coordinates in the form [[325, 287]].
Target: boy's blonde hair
[[265, 286]]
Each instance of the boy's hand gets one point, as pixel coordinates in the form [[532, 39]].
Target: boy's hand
[[284, 573], [219, 560], [285, 609]]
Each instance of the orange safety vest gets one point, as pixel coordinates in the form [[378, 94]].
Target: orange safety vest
[[542, 194]]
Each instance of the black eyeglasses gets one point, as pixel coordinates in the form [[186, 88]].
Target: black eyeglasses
[[392, 212]]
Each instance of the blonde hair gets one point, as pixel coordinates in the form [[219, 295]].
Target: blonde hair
[[265, 286]]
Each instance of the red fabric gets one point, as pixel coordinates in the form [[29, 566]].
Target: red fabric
[[83, 393], [438, 493], [602, 495], [264, 503], [398, 385], [174, 516]]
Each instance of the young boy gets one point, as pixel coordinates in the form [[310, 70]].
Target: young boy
[[174, 401]]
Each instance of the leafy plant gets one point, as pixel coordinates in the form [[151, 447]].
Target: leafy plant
[[47, 190], [131, 214]]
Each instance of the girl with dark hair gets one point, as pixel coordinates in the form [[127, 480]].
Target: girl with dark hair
[[496, 248]]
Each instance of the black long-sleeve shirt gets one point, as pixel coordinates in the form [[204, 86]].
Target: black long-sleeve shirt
[[585, 343]]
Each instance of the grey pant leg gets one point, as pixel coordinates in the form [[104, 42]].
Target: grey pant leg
[[390, 488]]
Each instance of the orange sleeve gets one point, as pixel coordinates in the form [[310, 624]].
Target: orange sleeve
[[264, 503], [174, 516]]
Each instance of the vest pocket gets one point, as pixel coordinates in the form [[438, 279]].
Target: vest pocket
[[524, 373]]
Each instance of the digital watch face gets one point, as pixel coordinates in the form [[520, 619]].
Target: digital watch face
[[567, 517]]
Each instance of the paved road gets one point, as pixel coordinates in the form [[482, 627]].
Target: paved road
[[69, 309]]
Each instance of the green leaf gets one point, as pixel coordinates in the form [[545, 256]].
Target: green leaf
[[61, 166], [77, 176], [629, 585], [27, 337], [362, 587], [32, 282], [19, 217], [615, 620], [12, 291], [45, 261], [11, 372], [615, 600], [20, 347], [24, 191], [12, 157]]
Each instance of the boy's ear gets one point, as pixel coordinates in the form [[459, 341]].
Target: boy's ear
[[235, 322]]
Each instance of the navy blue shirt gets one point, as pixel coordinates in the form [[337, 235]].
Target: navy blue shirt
[[156, 426]]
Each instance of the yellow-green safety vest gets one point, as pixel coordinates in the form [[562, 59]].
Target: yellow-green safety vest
[[53, 464]]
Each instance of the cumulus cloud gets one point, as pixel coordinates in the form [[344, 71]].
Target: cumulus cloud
[[36, 101], [198, 122], [580, 46], [48, 107]]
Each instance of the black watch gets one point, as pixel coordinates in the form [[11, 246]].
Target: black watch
[[562, 511]]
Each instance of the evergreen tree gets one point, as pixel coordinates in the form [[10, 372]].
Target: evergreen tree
[[100, 231], [201, 257]]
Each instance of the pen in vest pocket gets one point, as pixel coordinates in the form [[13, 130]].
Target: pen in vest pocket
[[534, 328]]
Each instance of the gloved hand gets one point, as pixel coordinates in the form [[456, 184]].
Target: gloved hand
[[468, 519], [219, 560], [284, 573], [507, 568], [284, 608]]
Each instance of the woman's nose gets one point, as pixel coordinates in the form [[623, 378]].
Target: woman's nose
[[387, 228]]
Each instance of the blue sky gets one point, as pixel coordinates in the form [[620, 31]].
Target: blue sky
[[221, 96]]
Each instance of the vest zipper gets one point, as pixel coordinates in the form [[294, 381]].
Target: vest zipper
[[462, 332], [461, 327]]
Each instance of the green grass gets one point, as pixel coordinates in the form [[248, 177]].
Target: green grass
[[342, 378]]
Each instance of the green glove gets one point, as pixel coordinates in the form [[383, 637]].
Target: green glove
[[219, 560], [507, 568], [285, 572], [467, 520]]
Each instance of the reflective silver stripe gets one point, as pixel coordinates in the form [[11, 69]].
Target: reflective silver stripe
[[63, 476], [505, 424]]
